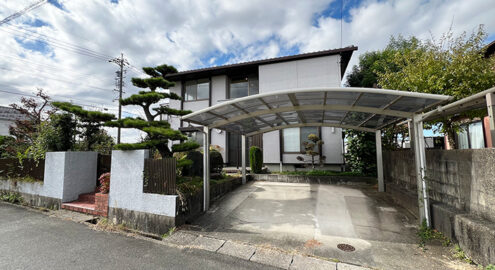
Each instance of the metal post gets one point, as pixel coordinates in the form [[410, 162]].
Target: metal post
[[420, 160], [379, 161], [490, 105], [206, 169], [243, 159]]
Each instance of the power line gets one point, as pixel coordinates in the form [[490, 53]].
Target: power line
[[50, 67], [55, 79], [23, 11]]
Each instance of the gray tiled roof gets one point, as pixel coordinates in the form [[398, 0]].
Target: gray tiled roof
[[10, 114]]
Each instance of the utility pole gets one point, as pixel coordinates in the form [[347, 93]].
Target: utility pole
[[121, 62]]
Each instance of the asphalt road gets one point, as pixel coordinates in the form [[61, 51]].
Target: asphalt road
[[32, 240]]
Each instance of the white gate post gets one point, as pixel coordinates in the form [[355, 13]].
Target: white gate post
[[379, 161], [206, 169], [420, 160], [243, 159]]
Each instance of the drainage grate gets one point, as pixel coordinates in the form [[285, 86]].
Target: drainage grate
[[346, 247], [92, 221]]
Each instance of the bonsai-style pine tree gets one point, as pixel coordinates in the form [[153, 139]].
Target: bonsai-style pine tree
[[309, 148], [159, 132], [90, 121]]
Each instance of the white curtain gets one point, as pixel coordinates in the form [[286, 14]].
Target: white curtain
[[291, 140], [476, 137]]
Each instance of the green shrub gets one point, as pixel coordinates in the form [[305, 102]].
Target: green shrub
[[255, 159], [11, 197], [195, 168], [216, 161]]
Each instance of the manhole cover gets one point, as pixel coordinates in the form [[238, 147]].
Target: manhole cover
[[346, 247]]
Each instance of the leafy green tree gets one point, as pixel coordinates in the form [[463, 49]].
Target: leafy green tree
[[89, 121], [159, 133], [361, 152], [256, 159], [452, 66], [60, 134]]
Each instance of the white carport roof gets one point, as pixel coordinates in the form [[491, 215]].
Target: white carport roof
[[365, 109]]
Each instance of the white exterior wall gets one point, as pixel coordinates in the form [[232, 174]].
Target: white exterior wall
[[219, 94], [313, 72], [126, 186], [67, 175], [4, 127]]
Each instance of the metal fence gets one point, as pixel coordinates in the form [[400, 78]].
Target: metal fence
[[160, 176], [12, 168]]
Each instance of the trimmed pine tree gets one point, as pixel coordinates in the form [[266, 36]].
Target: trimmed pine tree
[[159, 133]]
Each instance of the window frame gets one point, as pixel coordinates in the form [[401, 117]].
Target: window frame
[[301, 150], [248, 80], [196, 83], [468, 135]]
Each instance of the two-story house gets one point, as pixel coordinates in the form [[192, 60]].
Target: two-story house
[[205, 87]]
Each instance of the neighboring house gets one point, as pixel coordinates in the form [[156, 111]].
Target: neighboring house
[[475, 134], [205, 87], [8, 116]]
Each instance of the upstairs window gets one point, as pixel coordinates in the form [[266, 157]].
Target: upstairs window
[[197, 90], [243, 86]]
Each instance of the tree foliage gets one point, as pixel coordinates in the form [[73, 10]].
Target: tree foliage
[[256, 159], [159, 133], [89, 121], [361, 152], [34, 112], [451, 65]]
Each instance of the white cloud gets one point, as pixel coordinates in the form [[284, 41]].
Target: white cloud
[[196, 33]]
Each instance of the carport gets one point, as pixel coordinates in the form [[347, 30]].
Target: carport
[[364, 109]]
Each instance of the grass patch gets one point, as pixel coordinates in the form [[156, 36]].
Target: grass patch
[[321, 173], [427, 234], [458, 253], [11, 197], [169, 233]]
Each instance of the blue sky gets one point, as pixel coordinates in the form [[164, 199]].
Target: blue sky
[[210, 33]]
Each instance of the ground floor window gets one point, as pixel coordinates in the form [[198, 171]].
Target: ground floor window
[[293, 138], [471, 136]]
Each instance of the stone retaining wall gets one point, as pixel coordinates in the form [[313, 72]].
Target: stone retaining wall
[[461, 187]]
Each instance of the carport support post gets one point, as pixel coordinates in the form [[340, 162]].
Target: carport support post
[[379, 161], [243, 160], [490, 105], [420, 160], [206, 169]]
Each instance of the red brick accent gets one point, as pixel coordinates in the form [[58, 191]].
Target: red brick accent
[[91, 203]]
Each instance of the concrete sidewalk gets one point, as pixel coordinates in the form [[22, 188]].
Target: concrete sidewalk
[[263, 255]]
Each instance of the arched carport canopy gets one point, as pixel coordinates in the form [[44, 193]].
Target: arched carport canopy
[[365, 109]]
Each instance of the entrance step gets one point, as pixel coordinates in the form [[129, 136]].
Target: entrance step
[[89, 203]]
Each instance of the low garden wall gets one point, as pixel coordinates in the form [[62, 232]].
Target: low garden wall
[[461, 187], [66, 175], [129, 205], [313, 179]]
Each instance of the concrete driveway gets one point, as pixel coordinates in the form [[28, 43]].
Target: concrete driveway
[[314, 219]]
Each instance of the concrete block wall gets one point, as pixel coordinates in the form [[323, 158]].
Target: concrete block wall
[[128, 204], [461, 186], [67, 174]]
